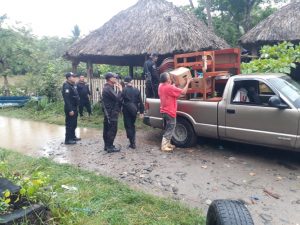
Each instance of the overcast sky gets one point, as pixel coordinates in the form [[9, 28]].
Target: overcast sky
[[58, 17]]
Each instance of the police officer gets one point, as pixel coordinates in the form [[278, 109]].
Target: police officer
[[84, 92], [71, 99], [132, 104], [111, 105], [151, 76]]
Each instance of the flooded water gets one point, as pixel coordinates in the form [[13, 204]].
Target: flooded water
[[35, 138]]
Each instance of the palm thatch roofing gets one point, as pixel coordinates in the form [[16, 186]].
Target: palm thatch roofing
[[149, 25], [283, 25]]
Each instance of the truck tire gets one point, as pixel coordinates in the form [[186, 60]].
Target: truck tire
[[184, 135], [228, 212]]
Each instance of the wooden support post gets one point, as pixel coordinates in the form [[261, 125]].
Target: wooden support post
[[89, 72], [74, 66], [131, 71]]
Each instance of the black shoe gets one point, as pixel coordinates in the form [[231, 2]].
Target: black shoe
[[76, 139], [105, 147], [112, 149], [70, 142], [132, 145]]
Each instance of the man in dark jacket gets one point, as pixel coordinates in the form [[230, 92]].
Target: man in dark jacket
[[71, 99], [132, 104], [111, 104], [151, 76], [84, 92]]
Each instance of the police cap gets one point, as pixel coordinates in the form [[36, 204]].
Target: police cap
[[109, 75], [127, 79], [70, 74]]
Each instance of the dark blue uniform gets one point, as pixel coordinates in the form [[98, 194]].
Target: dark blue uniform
[[71, 99], [84, 92], [152, 79], [132, 103], [111, 107]]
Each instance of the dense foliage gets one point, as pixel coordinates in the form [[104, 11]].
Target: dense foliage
[[279, 58], [231, 18]]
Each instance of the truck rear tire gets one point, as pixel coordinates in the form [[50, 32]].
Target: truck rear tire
[[184, 135], [228, 212]]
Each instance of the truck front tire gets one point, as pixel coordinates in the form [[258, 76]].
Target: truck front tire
[[184, 135], [228, 212]]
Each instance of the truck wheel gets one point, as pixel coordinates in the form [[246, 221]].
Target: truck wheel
[[184, 134], [228, 212]]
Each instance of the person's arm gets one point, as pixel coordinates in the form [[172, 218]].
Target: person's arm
[[184, 90], [66, 96], [88, 89], [141, 104]]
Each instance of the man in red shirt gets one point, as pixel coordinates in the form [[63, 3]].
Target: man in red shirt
[[168, 95]]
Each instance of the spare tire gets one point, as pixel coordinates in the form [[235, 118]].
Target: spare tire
[[228, 212]]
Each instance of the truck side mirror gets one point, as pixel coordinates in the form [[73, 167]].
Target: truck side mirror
[[275, 101]]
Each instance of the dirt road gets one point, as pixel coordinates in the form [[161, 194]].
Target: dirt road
[[267, 180]]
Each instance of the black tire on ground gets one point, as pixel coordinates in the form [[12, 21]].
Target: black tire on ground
[[184, 134], [228, 212]]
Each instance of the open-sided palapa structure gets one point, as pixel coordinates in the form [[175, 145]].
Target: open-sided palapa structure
[[149, 25], [283, 25]]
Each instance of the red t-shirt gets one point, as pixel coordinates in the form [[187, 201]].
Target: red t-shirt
[[168, 95]]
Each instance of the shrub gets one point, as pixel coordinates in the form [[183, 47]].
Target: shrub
[[279, 58]]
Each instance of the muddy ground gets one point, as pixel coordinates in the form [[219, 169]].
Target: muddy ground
[[196, 176]]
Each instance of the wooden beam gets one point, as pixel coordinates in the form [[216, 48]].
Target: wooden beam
[[131, 71], [74, 66], [89, 72]]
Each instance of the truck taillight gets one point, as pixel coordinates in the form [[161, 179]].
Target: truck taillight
[[146, 105]]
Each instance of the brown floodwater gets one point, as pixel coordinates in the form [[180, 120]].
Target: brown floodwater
[[35, 138]]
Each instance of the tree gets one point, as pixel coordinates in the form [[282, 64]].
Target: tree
[[192, 4], [231, 18], [279, 58], [76, 32], [207, 4], [16, 53]]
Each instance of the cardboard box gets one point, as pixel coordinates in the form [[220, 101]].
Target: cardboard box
[[197, 84], [180, 76]]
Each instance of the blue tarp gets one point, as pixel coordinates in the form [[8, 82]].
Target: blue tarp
[[7, 101]]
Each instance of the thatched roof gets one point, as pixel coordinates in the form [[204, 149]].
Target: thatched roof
[[283, 25], [147, 26]]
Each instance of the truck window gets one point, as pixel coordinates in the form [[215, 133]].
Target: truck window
[[265, 93], [264, 89], [246, 92]]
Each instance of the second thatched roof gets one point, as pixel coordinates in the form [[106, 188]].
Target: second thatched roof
[[283, 25], [149, 25]]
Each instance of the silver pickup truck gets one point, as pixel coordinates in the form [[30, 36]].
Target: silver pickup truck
[[255, 109]]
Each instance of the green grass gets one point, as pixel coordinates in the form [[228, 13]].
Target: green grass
[[99, 199], [54, 113]]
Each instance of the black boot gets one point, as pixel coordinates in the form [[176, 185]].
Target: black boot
[[112, 148], [70, 142], [76, 139], [132, 143]]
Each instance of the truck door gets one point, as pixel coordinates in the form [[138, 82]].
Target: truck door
[[250, 119]]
